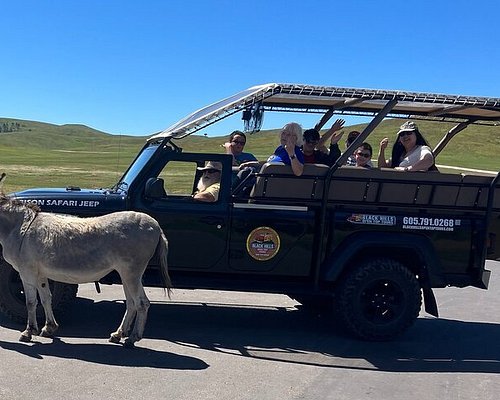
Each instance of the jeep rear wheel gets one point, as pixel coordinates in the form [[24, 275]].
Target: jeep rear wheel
[[379, 299], [12, 300]]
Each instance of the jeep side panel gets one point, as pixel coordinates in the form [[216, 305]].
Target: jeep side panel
[[445, 213]]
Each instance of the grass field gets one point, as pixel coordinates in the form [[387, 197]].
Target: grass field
[[45, 155]]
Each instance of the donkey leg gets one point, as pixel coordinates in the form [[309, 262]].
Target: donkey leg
[[51, 325], [142, 304], [31, 303], [130, 313]]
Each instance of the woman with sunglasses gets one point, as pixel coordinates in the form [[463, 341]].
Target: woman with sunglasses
[[410, 152], [235, 146]]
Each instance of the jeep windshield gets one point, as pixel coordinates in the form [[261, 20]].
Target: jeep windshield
[[216, 111], [136, 167]]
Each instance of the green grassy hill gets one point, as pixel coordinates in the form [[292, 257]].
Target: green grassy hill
[[36, 154], [39, 154]]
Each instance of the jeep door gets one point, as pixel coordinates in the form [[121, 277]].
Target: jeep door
[[272, 239], [196, 231]]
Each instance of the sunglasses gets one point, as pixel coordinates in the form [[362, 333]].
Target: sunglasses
[[406, 133], [365, 155], [211, 171], [238, 142]]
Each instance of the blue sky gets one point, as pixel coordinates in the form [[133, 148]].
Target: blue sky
[[136, 67]]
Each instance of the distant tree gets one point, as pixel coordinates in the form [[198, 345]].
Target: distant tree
[[10, 127]]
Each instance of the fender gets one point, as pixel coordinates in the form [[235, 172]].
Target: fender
[[354, 244]]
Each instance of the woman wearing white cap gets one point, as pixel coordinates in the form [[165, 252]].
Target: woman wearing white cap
[[410, 152]]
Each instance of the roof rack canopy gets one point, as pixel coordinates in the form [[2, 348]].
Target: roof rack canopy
[[348, 101]]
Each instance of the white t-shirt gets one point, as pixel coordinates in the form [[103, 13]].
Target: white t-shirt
[[415, 155]]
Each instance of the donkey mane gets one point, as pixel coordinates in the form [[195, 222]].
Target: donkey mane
[[15, 204]]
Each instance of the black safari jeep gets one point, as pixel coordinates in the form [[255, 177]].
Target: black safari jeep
[[371, 242]]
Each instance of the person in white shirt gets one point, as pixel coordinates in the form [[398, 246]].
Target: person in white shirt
[[409, 153]]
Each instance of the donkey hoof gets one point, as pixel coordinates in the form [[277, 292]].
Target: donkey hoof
[[49, 329], [128, 344], [46, 333], [26, 338], [114, 338]]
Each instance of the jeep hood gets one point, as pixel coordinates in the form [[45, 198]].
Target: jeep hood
[[73, 200]]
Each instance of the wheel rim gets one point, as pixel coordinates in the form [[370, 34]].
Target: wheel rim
[[382, 301]]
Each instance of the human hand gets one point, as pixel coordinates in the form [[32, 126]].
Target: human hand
[[229, 147], [291, 141], [383, 143], [336, 137], [338, 125]]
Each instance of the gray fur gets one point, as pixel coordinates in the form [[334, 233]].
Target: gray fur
[[75, 250]]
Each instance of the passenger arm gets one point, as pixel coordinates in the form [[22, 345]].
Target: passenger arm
[[382, 162], [334, 154], [297, 166], [204, 196], [337, 126]]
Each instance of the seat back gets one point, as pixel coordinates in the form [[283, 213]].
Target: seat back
[[474, 192], [155, 189], [278, 181], [385, 185]]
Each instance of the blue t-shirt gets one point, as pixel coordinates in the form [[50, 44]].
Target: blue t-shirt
[[244, 157], [281, 155]]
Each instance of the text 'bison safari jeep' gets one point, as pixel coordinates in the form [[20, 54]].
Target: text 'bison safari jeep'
[[370, 242]]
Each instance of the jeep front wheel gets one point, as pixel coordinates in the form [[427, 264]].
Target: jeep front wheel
[[379, 299], [12, 300]]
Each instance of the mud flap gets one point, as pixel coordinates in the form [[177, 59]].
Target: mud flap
[[430, 302]]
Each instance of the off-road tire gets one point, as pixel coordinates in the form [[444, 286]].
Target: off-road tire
[[12, 300], [378, 299]]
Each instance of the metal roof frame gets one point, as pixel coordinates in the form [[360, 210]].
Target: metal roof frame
[[328, 100]]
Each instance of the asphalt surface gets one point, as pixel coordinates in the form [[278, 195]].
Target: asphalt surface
[[220, 345]]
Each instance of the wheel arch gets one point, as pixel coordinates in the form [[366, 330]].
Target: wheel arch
[[415, 251]]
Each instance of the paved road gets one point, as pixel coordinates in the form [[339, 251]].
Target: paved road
[[219, 345]]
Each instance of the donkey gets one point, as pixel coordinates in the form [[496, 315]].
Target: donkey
[[42, 246]]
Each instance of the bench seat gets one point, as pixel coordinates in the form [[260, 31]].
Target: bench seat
[[352, 184]]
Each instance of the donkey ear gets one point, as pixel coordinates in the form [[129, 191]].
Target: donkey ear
[[2, 177]]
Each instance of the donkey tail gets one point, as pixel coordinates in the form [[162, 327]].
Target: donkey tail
[[162, 252]]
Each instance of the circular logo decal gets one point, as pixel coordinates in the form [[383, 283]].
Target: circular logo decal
[[263, 243]]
